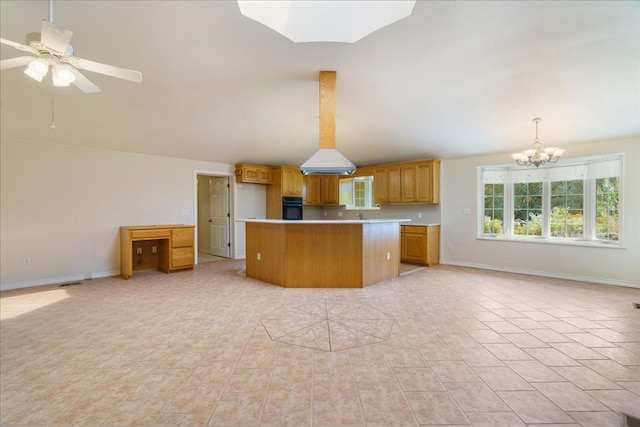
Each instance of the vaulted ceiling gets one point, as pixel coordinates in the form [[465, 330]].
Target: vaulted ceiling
[[454, 79]]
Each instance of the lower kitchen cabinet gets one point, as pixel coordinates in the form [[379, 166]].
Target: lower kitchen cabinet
[[420, 244]]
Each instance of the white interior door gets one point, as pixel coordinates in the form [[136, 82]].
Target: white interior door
[[219, 209]]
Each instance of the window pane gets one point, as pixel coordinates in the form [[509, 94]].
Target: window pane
[[520, 189], [535, 188], [527, 215], [493, 208], [535, 202], [574, 187], [358, 194], [607, 208], [566, 209]]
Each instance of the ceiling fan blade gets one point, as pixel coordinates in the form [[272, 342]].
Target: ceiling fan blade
[[83, 83], [55, 37], [19, 46], [96, 67], [6, 64]]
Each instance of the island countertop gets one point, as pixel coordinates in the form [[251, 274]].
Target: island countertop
[[324, 221]]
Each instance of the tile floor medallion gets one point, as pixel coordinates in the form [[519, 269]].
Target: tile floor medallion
[[328, 325]]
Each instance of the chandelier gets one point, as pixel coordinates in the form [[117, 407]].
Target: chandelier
[[538, 155]]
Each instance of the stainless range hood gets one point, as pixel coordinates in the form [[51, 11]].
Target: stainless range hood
[[327, 160]]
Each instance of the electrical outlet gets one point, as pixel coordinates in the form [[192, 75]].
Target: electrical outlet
[[154, 249], [466, 211], [27, 260], [419, 214], [388, 256], [139, 251], [258, 256], [339, 213]]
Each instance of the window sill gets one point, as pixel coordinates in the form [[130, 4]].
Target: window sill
[[545, 241]]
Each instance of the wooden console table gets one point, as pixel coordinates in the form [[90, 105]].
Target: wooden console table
[[152, 247]]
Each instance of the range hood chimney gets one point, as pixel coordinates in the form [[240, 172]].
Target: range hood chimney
[[327, 160]]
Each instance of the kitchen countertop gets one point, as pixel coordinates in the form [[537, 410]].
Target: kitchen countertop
[[325, 221]]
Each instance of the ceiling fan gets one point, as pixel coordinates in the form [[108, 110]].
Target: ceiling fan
[[51, 49]]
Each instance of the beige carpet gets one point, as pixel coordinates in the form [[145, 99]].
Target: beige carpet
[[209, 347]]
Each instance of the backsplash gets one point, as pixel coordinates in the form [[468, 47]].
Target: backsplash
[[418, 214]]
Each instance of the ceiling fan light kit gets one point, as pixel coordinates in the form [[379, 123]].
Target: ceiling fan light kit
[[538, 155], [37, 69], [62, 75], [51, 48]]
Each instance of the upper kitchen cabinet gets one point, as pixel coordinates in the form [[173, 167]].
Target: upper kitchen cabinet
[[253, 174], [289, 179], [380, 185], [409, 182], [285, 181], [428, 181], [321, 190]]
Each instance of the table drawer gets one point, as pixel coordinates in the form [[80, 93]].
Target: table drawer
[[149, 234], [182, 257], [181, 237]]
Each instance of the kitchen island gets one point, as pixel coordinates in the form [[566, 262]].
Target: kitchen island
[[323, 253]]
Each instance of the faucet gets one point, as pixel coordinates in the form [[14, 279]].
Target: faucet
[[360, 216]]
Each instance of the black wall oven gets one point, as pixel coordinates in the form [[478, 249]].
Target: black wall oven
[[292, 208]]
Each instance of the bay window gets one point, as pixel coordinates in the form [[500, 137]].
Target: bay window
[[574, 202]]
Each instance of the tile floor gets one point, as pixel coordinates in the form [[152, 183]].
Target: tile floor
[[209, 347]]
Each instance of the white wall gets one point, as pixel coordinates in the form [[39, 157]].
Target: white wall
[[62, 206], [603, 265], [251, 203]]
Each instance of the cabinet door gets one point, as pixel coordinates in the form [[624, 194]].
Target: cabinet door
[[425, 182], [380, 185], [253, 174], [264, 175], [408, 180], [413, 246], [394, 186], [291, 182], [330, 192], [311, 189], [416, 247]]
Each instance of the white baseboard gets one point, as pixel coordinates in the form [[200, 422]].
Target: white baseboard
[[58, 280], [577, 278]]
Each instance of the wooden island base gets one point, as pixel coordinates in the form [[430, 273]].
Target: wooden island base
[[323, 254]]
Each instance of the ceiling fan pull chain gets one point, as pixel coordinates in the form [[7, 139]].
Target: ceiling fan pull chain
[[53, 122]]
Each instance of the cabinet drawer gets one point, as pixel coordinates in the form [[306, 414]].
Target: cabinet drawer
[[413, 229], [181, 237], [149, 234], [182, 257]]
